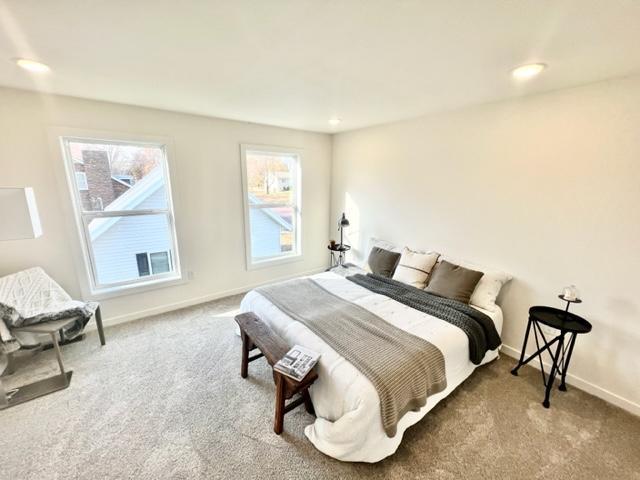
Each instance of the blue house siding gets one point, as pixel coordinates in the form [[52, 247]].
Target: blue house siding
[[265, 235], [117, 241], [115, 250]]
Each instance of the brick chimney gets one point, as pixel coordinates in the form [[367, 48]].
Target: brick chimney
[[98, 171]]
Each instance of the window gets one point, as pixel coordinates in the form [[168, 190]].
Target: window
[[142, 259], [124, 210], [128, 179], [271, 179], [81, 181], [160, 263]]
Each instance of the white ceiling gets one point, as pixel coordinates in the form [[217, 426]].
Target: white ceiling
[[296, 63]]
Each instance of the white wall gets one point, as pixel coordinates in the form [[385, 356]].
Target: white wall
[[207, 189], [546, 187]]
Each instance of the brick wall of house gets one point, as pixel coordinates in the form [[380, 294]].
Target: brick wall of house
[[102, 187], [84, 194], [96, 166]]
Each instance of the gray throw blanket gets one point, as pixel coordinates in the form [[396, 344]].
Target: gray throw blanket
[[478, 327], [403, 368]]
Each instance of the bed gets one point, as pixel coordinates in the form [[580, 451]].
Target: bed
[[348, 426]]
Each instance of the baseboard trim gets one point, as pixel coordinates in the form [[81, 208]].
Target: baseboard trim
[[129, 317], [582, 384]]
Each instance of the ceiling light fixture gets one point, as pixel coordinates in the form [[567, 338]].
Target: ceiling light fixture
[[334, 121], [528, 71], [32, 65]]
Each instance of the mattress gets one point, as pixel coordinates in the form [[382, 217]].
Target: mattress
[[348, 425]]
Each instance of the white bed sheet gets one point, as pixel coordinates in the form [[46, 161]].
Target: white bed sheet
[[348, 426]]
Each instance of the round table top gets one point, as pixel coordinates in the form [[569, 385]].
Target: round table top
[[557, 318], [339, 248]]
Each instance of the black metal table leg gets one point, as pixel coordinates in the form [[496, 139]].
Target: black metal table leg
[[554, 370], [524, 347], [567, 324], [565, 367], [546, 346]]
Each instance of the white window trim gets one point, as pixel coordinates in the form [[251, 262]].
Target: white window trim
[[139, 284], [296, 254]]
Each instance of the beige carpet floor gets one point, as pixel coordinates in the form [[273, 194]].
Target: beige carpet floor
[[164, 399]]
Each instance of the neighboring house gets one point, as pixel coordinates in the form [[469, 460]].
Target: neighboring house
[[126, 248], [268, 227], [278, 181], [97, 187], [130, 247]]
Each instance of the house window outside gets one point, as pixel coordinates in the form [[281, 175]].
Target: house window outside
[[160, 262], [271, 180], [124, 208], [142, 259], [81, 181]]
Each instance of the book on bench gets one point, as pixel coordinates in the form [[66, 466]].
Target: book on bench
[[297, 362]]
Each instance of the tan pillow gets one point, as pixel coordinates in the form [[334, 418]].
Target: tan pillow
[[453, 281], [414, 267], [383, 262]]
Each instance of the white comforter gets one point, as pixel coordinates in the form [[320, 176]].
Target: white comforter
[[348, 424]]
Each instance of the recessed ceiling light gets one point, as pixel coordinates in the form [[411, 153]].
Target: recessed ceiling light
[[529, 70], [334, 121], [32, 65]]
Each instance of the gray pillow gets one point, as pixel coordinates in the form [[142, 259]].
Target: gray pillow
[[453, 281], [383, 262]]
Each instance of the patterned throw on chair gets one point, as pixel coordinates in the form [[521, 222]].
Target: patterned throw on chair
[[31, 296]]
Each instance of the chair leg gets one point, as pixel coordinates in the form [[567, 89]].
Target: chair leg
[[4, 398], [98, 316], [54, 339], [10, 368], [279, 419]]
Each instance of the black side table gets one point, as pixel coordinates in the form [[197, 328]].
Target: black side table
[[568, 324], [338, 253]]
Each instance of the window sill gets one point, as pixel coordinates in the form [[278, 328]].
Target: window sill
[[132, 289], [274, 262]]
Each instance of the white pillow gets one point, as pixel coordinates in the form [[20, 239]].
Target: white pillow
[[376, 242], [488, 289], [489, 286], [414, 267]]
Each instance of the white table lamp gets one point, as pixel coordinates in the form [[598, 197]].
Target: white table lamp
[[19, 217]]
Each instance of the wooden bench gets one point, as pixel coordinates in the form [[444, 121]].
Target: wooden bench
[[256, 334]]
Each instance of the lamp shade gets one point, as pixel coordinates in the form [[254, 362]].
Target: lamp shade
[[19, 217], [343, 221]]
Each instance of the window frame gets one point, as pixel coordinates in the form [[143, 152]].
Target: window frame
[[83, 218], [296, 253]]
